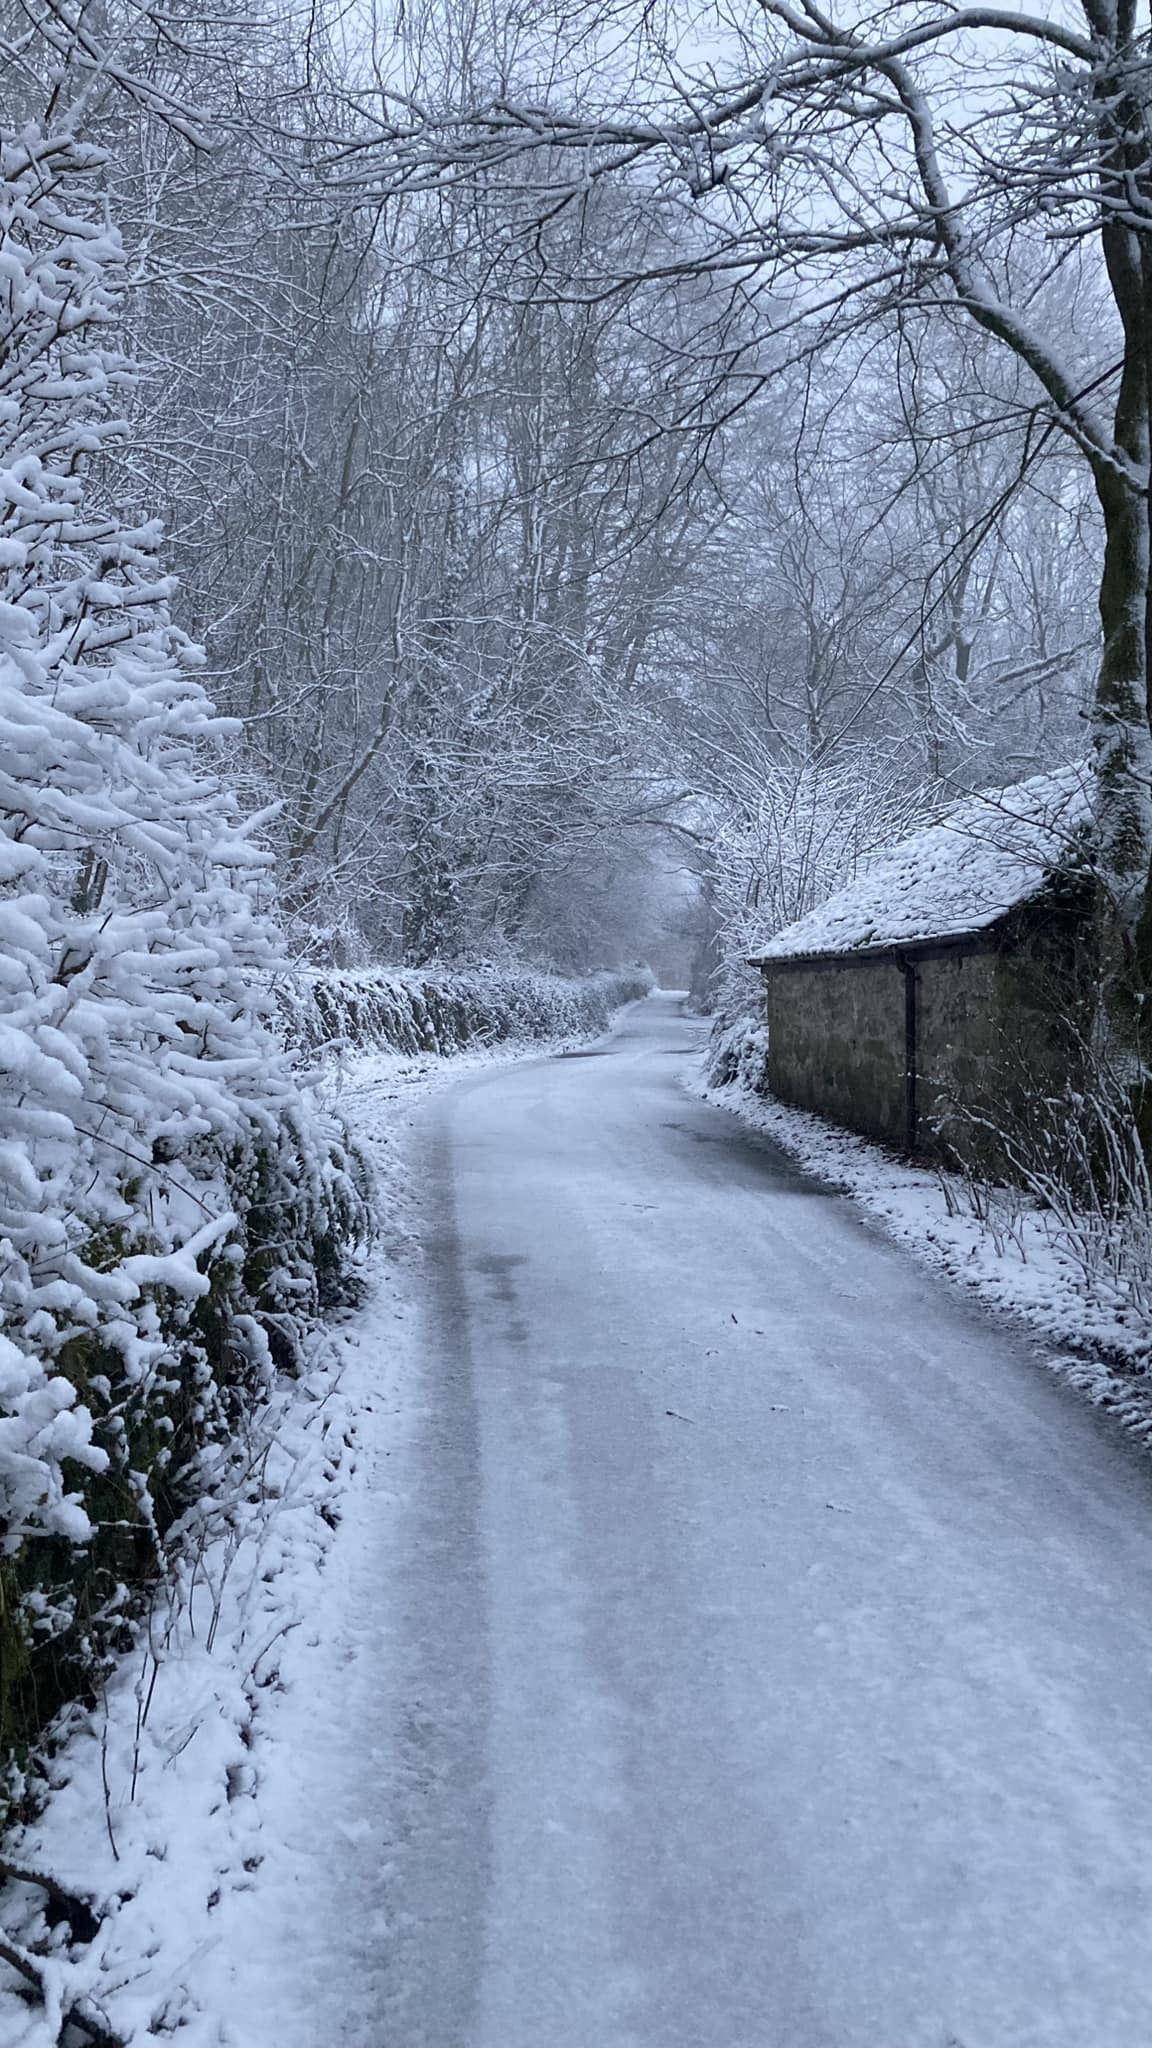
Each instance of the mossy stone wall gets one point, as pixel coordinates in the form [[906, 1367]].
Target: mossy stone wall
[[960, 1038], [998, 1028], [836, 1043]]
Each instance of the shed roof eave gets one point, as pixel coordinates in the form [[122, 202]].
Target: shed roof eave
[[980, 939]]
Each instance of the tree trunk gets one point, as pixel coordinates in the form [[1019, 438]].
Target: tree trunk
[[1122, 725], [1122, 739]]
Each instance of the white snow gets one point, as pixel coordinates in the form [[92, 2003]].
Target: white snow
[[960, 875], [993, 1242], [737, 1467], [175, 1806]]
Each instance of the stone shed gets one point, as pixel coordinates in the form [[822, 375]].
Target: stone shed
[[947, 987]]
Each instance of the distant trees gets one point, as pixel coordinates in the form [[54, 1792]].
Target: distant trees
[[839, 171], [538, 476], [887, 615], [428, 527]]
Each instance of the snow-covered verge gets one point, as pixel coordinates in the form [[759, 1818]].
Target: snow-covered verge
[[441, 1010], [166, 1814], [154, 1819], [995, 1242], [147, 1824]]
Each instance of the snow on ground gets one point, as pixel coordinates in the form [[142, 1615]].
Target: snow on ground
[[1003, 1250], [177, 1805], [204, 1805]]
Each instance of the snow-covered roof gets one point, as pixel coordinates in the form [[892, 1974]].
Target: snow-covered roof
[[958, 876]]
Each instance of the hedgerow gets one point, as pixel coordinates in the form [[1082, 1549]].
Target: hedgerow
[[445, 1009], [173, 1209]]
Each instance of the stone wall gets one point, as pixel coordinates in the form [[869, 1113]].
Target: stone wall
[[960, 1042], [996, 1032], [836, 1043]]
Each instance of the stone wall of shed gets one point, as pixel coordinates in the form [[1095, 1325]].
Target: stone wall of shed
[[996, 1034], [1001, 1035], [960, 1041], [836, 1044]]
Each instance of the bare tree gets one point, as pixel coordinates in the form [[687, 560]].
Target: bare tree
[[639, 451], [842, 167]]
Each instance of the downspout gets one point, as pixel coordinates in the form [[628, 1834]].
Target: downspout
[[911, 1049]]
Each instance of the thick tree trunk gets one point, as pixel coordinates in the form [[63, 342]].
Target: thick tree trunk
[[1122, 738], [1122, 727]]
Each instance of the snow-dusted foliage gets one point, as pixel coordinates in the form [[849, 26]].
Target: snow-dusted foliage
[[443, 1009], [166, 1199], [986, 855], [738, 1054], [802, 831]]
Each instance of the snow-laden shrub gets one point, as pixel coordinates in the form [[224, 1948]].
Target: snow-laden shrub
[[169, 1206], [443, 1009], [738, 1055]]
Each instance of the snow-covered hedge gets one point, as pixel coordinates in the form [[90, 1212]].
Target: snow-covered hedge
[[172, 1209], [738, 1054], [443, 1009]]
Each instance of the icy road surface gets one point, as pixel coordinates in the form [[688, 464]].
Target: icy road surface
[[771, 1661]]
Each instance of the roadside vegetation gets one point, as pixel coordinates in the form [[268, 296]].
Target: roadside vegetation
[[487, 499]]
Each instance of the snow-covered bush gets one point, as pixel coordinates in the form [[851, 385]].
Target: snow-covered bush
[[805, 830], [738, 1054], [170, 1208], [443, 1009]]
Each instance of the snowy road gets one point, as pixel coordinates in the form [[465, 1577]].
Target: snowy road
[[771, 1666]]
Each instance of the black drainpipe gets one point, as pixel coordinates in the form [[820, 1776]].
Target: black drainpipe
[[911, 1048]]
